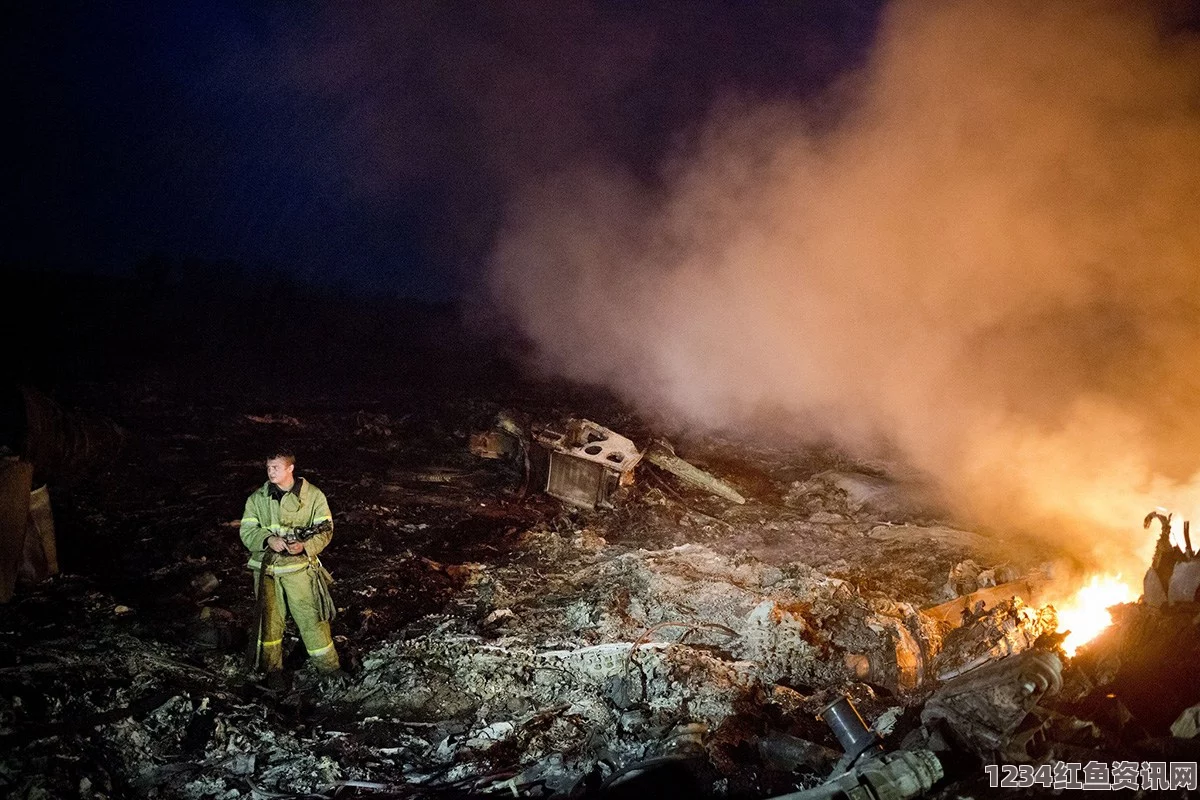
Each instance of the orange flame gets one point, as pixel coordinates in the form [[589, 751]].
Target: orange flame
[[1085, 614]]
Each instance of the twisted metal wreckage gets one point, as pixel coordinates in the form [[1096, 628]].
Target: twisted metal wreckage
[[580, 667], [998, 658]]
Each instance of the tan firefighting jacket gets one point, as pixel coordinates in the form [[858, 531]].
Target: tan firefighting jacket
[[305, 505]]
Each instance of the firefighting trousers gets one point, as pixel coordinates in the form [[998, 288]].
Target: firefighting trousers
[[295, 593]]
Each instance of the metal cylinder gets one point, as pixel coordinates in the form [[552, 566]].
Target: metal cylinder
[[40, 533], [852, 733], [894, 776], [15, 482]]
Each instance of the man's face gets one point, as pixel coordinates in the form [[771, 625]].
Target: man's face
[[279, 472]]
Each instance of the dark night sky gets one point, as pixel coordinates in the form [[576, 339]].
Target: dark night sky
[[369, 145]]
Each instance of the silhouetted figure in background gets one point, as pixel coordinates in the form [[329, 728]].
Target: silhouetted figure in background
[[40, 443]]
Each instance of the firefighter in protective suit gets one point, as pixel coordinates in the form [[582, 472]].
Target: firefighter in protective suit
[[289, 577]]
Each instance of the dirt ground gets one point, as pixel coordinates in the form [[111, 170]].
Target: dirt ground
[[495, 641]]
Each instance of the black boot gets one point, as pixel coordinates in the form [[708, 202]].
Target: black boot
[[278, 681]]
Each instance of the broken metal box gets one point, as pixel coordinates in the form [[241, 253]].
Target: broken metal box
[[588, 463]]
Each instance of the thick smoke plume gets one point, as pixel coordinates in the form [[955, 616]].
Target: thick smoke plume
[[989, 265]]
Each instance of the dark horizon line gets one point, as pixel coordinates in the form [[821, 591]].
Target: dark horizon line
[[179, 270]]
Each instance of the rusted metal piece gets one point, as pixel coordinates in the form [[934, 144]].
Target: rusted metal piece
[[952, 612], [587, 463], [661, 455]]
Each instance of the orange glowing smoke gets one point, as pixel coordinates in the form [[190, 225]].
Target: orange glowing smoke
[[1085, 614]]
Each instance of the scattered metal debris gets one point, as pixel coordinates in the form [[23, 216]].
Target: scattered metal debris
[[893, 776], [961, 610], [1174, 574], [985, 709], [864, 770], [584, 464], [503, 644]]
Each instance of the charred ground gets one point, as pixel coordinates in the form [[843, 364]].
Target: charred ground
[[496, 638]]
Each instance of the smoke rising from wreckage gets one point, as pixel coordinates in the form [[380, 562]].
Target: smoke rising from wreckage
[[980, 235], [923, 365]]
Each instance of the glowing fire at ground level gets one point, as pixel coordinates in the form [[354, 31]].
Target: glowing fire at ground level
[[1085, 614], [1175, 570]]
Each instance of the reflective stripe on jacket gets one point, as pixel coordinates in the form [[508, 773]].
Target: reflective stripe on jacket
[[265, 517]]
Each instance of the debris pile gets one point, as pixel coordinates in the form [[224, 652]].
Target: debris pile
[[638, 611]]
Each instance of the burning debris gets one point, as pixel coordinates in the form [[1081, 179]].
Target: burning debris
[[630, 620]]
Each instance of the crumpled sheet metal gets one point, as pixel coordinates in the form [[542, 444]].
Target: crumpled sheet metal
[[1185, 582], [1007, 628], [984, 708]]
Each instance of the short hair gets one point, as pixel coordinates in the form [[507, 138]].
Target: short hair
[[283, 453]]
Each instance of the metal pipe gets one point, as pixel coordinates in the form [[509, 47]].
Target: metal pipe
[[852, 733]]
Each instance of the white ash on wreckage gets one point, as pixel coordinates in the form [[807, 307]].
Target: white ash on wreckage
[[986, 269], [878, 406], [985, 272]]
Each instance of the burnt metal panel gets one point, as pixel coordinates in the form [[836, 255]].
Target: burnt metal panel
[[577, 481], [587, 462]]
